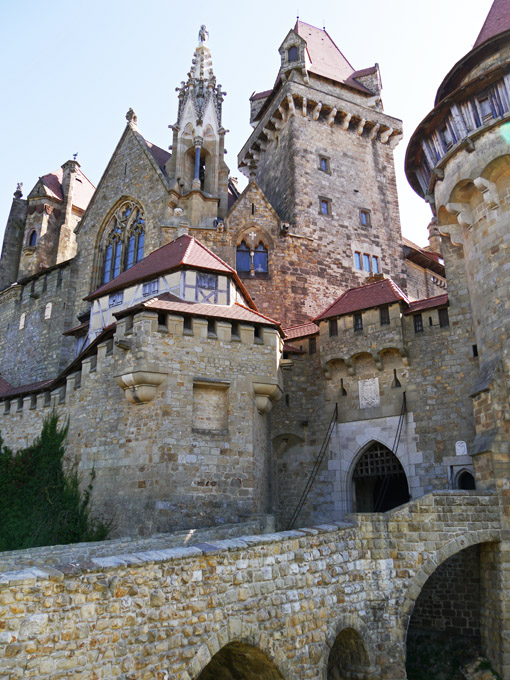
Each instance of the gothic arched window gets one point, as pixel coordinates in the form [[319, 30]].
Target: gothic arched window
[[243, 259], [32, 239], [260, 259], [124, 240]]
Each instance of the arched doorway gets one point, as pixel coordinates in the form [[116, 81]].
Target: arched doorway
[[379, 480], [348, 659], [240, 661]]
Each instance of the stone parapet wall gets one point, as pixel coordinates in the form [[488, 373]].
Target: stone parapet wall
[[52, 555], [165, 613]]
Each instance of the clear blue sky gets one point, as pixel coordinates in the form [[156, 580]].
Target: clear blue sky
[[71, 70]]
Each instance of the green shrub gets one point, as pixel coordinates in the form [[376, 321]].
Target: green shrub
[[40, 502]]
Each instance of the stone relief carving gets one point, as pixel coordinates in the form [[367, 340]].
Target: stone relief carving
[[369, 393]]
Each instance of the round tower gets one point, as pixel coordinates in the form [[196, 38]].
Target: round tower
[[459, 161]]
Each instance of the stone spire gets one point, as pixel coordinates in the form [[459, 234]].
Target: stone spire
[[497, 21], [196, 168], [200, 86]]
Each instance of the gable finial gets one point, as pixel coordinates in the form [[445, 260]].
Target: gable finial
[[131, 118], [18, 193], [75, 156]]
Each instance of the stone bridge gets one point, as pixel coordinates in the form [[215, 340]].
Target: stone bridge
[[326, 602]]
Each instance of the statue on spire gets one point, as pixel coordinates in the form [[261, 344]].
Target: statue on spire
[[203, 35]]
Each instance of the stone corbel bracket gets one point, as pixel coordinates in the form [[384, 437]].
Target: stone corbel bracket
[[140, 387], [265, 395], [489, 192]]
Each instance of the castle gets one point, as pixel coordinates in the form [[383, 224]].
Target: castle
[[238, 363]]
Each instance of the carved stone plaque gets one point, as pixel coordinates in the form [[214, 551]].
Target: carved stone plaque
[[461, 448], [369, 393]]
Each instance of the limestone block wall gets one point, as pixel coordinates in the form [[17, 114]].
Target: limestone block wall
[[423, 283], [34, 316], [174, 462], [166, 613]]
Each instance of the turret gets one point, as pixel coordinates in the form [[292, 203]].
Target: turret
[[197, 168]]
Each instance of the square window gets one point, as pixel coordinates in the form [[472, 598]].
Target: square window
[[333, 327], [364, 217], [358, 321], [444, 321], [366, 262], [384, 316], [357, 260], [116, 299], [324, 206], [150, 288], [418, 323], [324, 163]]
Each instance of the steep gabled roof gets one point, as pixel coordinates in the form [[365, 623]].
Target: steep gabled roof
[[364, 297], [83, 187], [160, 155], [184, 251], [497, 21], [324, 57]]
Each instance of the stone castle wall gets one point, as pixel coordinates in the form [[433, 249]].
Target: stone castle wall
[[196, 453], [34, 316]]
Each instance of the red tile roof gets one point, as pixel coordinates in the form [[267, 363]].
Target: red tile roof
[[301, 331], [83, 187], [167, 302], [427, 303], [4, 386], [26, 389], [184, 251], [160, 155], [497, 21], [324, 57], [364, 297]]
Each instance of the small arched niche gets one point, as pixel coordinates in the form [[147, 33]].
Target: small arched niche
[[348, 659], [240, 661], [379, 480]]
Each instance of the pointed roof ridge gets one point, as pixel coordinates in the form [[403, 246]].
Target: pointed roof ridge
[[365, 296], [496, 22]]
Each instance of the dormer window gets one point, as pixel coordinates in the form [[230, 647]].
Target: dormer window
[[293, 54]]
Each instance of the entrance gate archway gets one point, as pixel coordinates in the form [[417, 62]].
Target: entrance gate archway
[[379, 480]]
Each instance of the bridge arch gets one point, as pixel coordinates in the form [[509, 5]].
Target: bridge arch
[[238, 642], [446, 606], [434, 561], [349, 642]]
